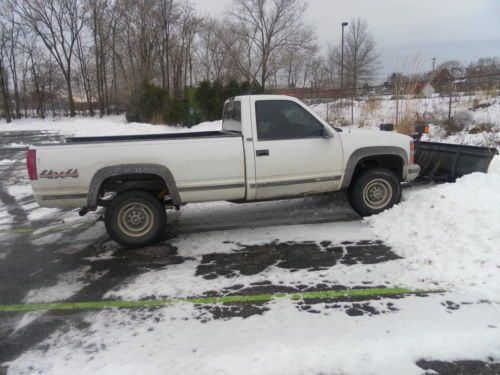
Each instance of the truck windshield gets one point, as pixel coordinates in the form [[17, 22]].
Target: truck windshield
[[231, 118]]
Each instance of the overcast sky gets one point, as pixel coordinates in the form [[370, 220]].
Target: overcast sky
[[403, 29]]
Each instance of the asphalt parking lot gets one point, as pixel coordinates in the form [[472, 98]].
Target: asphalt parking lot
[[55, 256]]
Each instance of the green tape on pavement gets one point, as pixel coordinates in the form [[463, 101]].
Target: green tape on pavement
[[43, 231], [324, 294]]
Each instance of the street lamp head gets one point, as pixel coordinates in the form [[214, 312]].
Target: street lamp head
[[344, 24]]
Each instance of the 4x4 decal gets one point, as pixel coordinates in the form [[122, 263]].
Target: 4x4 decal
[[50, 174]]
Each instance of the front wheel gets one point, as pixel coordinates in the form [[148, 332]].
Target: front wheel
[[135, 218], [374, 191]]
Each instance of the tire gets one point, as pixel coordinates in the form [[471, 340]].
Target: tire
[[374, 191], [135, 218]]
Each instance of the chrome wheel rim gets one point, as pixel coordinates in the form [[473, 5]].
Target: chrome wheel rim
[[135, 219], [377, 193]]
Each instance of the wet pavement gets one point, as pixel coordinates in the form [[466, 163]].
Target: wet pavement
[[43, 248]]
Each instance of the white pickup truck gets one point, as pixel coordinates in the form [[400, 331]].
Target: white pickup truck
[[270, 147]]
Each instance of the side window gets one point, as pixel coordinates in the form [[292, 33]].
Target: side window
[[283, 119], [231, 118]]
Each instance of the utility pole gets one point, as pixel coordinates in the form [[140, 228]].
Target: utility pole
[[433, 66], [343, 24]]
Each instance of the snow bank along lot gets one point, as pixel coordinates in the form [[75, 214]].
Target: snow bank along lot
[[444, 237]]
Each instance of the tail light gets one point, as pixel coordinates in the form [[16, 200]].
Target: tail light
[[412, 152], [31, 163]]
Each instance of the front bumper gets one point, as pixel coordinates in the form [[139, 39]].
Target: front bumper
[[412, 171]]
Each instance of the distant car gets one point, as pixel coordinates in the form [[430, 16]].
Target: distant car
[[270, 147]]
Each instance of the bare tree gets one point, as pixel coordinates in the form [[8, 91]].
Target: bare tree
[[11, 34], [360, 55], [272, 25], [212, 54], [100, 21], [58, 24], [332, 64], [83, 59], [240, 46], [168, 15]]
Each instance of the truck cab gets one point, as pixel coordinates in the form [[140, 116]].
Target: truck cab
[[288, 149]]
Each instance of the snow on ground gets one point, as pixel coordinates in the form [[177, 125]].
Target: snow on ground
[[110, 125], [20, 191], [371, 113], [181, 280], [16, 145], [7, 162], [449, 236], [66, 286], [284, 340], [41, 213]]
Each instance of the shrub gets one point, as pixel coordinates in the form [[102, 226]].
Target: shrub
[[461, 120], [486, 127], [150, 103], [210, 99], [147, 104], [210, 96]]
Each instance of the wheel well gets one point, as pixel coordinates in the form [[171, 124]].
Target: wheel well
[[143, 181], [392, 162]]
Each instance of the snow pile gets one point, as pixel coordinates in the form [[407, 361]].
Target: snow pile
[[495, 165], [16, 145], [449, 235], [110, 125], [7, 162]]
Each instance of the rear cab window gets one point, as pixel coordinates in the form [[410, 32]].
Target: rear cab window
[[231, 118]]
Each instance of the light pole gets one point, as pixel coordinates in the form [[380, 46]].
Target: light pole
[[343, 24]]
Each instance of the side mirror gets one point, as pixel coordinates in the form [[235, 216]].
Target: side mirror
[[325, 133]]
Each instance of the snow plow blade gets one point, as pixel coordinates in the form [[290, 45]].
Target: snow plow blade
[[444, 162]]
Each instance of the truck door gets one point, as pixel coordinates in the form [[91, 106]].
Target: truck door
[[294, 152]]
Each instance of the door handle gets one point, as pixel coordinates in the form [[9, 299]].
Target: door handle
[[262, 152]]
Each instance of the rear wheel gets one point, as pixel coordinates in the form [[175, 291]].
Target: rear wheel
[[135, 218], [374, 191]]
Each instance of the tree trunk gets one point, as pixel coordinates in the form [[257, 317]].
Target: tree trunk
[[71, 101], [167, 63], [263, 78], [17, 98], [5, 96]]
